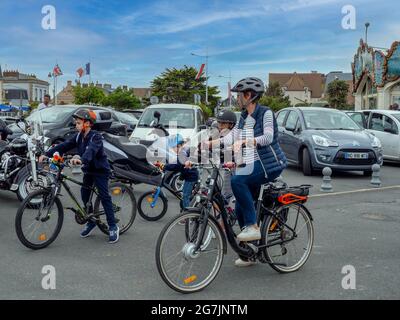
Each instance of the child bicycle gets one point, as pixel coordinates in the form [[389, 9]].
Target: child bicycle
[[286, 228], [153, 205], [39, 225]]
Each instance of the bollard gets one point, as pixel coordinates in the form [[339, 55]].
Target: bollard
[[326, 185], [375, 180]]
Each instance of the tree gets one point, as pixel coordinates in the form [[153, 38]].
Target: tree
[[337, 94], [274, 97], [121, 99], [89, 94], [179, 86]]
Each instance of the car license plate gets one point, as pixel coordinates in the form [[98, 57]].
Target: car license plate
[[355, 155]]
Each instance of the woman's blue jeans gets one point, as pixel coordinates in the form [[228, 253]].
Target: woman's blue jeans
[[246, 188]]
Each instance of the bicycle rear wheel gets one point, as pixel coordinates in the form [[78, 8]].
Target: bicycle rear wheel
[[181, 267], [124, 203], [38, 226], [289, 239]]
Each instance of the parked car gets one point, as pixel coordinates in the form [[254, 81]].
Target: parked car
[[128, 119], [385, 124], [189, 120], [358, 117], [58, 124], [136, 112], [314, 138]]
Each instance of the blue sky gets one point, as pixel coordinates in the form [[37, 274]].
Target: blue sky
[[131, 42]]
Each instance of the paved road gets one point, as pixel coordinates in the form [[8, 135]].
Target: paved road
[[360, 229]]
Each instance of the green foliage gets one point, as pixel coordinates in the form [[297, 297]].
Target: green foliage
[[121, 99], [90, 94], [274, 98], [337, 94], [179, 86]]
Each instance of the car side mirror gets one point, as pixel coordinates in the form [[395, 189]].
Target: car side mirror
[[290, 128]]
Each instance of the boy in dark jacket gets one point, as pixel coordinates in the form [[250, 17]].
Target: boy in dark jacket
[[96, 168]]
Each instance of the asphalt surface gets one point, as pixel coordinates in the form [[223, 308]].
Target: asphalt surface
[[361, 229]]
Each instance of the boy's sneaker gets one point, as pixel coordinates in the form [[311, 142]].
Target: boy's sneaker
[[114, 234], [249, 234], [89, 227]]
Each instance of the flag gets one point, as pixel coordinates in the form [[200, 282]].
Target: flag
[[80, 72], [200, 71], [57, 71], [88, 68]]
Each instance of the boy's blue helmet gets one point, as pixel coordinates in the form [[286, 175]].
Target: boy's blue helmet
[[175, 141]]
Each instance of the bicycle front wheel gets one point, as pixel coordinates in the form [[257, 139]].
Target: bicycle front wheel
[[289, 237], [124, 204], [38, 226], [183, 268], [150, 211]]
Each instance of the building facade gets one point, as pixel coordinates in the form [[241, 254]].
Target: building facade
[[19, 88], [376, 77], [300, 87]]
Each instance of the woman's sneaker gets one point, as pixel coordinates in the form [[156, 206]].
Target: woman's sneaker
[[114, 234], [89, 227], [242, 263], [249, 234]]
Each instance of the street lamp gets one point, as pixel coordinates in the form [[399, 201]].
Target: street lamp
[[52, 75], [366, 32], [206, 56], [230, 83]]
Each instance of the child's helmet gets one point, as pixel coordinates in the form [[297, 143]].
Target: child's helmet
[[176, 140], [85, 114]]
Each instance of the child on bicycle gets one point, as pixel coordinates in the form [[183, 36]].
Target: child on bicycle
[[179, 163], [96, 168]]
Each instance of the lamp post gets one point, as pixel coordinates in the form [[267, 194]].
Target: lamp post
[[366, 32], [206, 57], [230, 83], [52, 75]]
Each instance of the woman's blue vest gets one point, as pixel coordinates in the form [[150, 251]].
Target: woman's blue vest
[[272, 157]]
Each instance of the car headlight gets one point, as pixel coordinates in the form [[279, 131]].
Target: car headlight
[[324, 142], [376, 143]]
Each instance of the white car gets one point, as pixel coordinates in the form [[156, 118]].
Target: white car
[[184, 119], [385, 125]]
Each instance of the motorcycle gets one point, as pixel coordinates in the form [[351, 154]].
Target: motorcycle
[[18, 165]]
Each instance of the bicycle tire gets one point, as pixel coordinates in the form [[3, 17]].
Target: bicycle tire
[[159, 254], [26, 205], [143, 200], [267, 227], [103, 225]]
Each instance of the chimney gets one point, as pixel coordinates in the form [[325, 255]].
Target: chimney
[[69, 83], [125, 88]]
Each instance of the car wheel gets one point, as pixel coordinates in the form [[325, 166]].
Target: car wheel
[[307, 166]]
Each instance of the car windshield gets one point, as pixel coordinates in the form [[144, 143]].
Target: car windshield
[[329, 120], [51, 115], [183, 118], [126, 117]]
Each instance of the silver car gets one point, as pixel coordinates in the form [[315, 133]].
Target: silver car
[[314, 138]]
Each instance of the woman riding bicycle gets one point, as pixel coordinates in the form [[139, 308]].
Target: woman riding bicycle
[[263, 158]]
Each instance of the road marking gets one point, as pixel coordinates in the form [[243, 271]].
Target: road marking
[[353, 191]]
